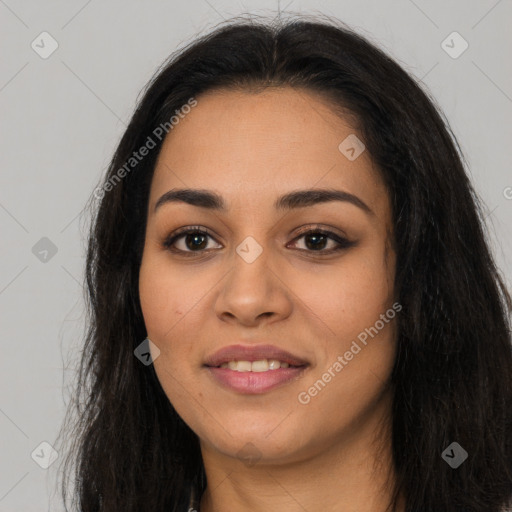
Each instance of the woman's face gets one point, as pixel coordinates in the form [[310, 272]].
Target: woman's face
[[259, 290]]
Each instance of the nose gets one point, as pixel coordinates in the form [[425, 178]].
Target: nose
[[253, 292]]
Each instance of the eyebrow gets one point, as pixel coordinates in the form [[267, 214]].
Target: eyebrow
[[297, 199]]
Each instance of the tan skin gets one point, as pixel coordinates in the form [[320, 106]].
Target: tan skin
[[333, 453]]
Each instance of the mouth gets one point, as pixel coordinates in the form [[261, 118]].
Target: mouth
[[262, 365], [254, 369]]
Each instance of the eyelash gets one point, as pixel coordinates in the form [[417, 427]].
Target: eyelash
[[343, 243]]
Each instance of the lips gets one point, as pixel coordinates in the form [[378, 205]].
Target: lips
[[253, 370], [252, 353]]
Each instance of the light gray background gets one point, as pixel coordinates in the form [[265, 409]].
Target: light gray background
[[62, 117]]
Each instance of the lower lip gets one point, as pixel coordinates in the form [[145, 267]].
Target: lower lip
[[253, 383]]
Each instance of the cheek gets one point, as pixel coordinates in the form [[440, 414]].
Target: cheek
[[166, 297], [164, 308], [356, 362], [171, 303], [346, 303], [346, 299]]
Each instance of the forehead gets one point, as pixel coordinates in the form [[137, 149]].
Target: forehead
[[265, 144]]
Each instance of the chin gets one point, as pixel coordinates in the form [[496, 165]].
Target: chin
[[252, 450], [263, 439]]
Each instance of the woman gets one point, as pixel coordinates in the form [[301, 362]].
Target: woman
[[293, 304]]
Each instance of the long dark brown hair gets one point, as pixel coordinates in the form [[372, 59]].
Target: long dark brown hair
[[131, 452]]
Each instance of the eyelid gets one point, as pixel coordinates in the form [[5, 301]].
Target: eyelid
[[321, 228]]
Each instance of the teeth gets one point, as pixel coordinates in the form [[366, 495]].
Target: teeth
[[262, 365], [273, 364], [258, 366]]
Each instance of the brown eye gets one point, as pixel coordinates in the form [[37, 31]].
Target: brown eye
[[316, 240], [195, 240]]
